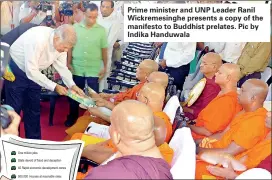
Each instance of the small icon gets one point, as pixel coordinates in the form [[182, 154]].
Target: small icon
[[13, 152], [13, 160], [13, 176], [13, 167]]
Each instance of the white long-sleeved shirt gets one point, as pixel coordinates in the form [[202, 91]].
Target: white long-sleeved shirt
[[179, 54], [112, 26], [232, 51], [216, 46], [33, 51]]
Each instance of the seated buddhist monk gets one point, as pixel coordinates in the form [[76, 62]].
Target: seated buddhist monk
[[158, 77], [145, 68], [137, 157], [221, 110], [103, 150], [155, 77], [153, 95], [100, 118], [245, 137], [210, 64]]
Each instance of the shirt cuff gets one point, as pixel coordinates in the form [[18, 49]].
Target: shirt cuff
[[70, 84], [51, 86]]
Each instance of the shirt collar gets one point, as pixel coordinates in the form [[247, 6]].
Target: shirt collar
[[82, 23]]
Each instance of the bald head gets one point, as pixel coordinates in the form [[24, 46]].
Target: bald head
[[253, 94], [152, 94], [158, 77], [132, 122], [145, 68], [228, 73], [210, 64]]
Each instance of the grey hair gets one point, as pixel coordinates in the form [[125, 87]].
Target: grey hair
[[67, 34]]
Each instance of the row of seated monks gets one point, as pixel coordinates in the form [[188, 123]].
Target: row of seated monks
[[229, 124]]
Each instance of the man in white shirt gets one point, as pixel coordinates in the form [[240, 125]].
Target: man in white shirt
[[176, 57], [109, 20], [232, 51], [33, 51], [119, 45]]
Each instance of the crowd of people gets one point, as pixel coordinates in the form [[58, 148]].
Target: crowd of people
[[228, 121]]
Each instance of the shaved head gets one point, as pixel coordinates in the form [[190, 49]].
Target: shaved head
[[158, 77], [149, 65], [228, 74], [253, 94], [132, 122], [213, 58], [145, 68], [210, 64], [152, 94]]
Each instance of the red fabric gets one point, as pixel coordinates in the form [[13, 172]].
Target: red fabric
[[56, 132], [266, 164], [210, 91]]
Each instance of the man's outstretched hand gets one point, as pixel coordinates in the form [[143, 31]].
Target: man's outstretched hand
[[78, 90], [61, 90]]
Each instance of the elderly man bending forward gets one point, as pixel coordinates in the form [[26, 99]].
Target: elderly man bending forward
[[33, 51]]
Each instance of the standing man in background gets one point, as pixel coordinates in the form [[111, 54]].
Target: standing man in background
[[85, 59], [29, 14], [109, 20], [254, 60], [33, 51], [9, 15], [176, 57], [119, 45]]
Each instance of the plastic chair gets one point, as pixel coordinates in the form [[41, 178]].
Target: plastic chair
[[268, 98], [171, 107], [255, 173], [266, 74], [184, 160]]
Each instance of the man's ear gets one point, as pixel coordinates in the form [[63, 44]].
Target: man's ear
[[228, 77], [116, 138], [253, 98]]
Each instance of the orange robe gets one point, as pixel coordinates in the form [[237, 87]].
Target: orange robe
[[168, 124], [254, 157], [218, 114], [247, 130], [257, 154], [82, 123], [129, 94]]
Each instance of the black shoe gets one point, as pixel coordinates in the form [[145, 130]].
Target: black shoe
[[70, 121]]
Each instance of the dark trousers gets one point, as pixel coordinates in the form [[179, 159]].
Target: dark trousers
[[24, 94], [255, 75], [80, 82], [179, 74]]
